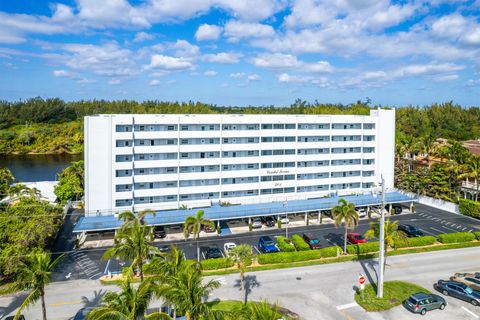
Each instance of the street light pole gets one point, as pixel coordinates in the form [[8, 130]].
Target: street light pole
[[285, 204], [381, 258]]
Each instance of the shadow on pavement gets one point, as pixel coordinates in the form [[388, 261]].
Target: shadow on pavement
[[369, 267], [14, 304], [250, 283]]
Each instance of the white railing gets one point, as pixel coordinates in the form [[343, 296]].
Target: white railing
[[432, 202], [470, 185]]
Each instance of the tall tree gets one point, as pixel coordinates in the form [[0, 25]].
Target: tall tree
[[258, 311], [134, 244], [129, 218], [34, 275], [194, 225], [6, 178], [188, 292], [129, 304], [70, 182], [429, 145], [391, 234], [241, 256], [345, 213]]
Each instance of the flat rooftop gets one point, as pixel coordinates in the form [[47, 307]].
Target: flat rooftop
[[216, 212]]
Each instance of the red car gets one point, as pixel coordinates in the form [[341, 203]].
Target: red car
[[355, 238]]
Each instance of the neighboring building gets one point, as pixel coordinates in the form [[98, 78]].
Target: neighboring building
[[473, 146], [167, 161]]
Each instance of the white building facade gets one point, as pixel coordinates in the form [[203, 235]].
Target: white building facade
[[168, 161]]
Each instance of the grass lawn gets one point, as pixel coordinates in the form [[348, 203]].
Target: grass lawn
[[394, 293], [226, 305]]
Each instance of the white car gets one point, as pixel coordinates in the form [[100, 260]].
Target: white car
[[257, 223], [228, 246], [362, 212], [285, 220]]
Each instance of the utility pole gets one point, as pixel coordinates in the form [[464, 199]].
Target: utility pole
[[381, 258], [285, 204]]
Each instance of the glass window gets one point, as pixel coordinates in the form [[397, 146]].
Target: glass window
[[278, 126], [266, 126], [290, 126]]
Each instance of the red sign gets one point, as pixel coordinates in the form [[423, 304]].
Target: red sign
[[361, 279]]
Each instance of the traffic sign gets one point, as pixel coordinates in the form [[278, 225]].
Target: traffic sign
[[361, 279]]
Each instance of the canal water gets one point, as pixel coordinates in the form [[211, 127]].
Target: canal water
[[43, 167]]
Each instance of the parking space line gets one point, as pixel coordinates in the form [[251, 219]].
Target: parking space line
[[425, 231], [449, 228], [256, 249], [203, 255], [471, 313], [106, 267], [470, 230], [440, 231], [347, 306], [96, 275]]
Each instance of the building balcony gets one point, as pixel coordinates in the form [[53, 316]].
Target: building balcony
[[139, 178]]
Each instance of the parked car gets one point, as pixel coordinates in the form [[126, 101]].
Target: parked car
[[362, 212], [355, 238], [159, 232], [81, 314], [285, 220], [470, 279], [256, 223], [228, 246], [311, 240], [20, 317], [267, 245], [164, 248], [213, 253], [423, 302], [208, 228], [410, 231], [327, 213], [459, 291], [398, 208], [269, 221]]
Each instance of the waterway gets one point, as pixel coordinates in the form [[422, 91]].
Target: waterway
[[42, 167]]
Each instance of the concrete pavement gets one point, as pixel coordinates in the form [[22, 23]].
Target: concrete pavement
[[320, 292]]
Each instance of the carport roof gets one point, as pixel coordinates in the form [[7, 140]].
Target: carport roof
[[216, 212]]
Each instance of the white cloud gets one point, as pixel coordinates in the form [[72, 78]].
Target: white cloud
[[210, 73], [86, 81], [237, 75], [222, 57], [183, 48], [158, 61], [445, 78], [154, 83], [62, 73], [143, 36], [285, 77], [237, 30], [253, 77], [287, 61], [208, 32], [114, 81]]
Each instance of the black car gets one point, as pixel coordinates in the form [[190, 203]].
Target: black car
[[20, 317], [410, 230], [398, 208], [213, 253], [269, 221], [159, 232], [327, 213], [459, 291]]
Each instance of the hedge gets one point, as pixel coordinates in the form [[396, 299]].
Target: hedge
[[477, 235], [282, 257], [363, 247], [299, 243], [215, 264], [456, 237], [469, 208], [284, 244], [330, 251], [414, 242]]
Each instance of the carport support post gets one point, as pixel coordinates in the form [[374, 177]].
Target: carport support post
[[389, 208], [319, 216], [306, 218]]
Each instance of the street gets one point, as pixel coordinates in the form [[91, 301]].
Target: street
[[320, 292]]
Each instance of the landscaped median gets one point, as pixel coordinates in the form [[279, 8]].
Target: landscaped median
[[394, 293]]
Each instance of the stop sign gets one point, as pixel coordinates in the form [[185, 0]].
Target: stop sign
[[361, 279]]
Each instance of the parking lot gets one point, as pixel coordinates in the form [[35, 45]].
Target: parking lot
[[430, 220]]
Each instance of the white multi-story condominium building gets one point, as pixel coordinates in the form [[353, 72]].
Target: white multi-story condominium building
[[167, 161]]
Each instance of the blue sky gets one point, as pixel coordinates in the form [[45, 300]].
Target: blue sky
[[242, 52]]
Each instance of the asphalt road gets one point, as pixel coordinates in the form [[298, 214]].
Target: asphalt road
[[321, 292], [87, 264]]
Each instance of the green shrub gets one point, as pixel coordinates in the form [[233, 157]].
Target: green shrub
[[285, 244], [477, 235], [215, 264], [299, 243], [330, 251], [363, 247], [456, 237], [414, 242], [469, 208], [283, 257]]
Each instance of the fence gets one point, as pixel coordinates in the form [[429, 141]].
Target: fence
[[432, 202]]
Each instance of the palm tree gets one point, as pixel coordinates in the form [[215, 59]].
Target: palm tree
[[429, 145], [162, 266], [34, 275], [6, 178], [241, 256], [345, 213], [188, 292], [129, 304], [194, 224], [134, 244], [391, 234], [257, 311], [472, 170], [129, 218]]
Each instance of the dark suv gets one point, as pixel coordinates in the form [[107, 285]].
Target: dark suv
[[311, 240], [459, 291], [269, 221], [267, 245], [159, 232], [410, 230], [213, 253]]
